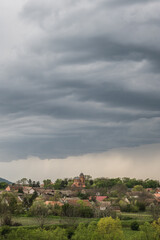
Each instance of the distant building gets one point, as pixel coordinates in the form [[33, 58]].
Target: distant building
[[79, 182]]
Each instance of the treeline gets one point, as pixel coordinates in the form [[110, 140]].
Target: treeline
[[128, 182], [103, 183], [60, 184]]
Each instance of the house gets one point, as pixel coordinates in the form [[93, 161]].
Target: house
[[44, 192], [104, 205], [99, 198], [149, 189], [28, 190], [53, 203], [66, 193], [157, 197], [13, 188], [79, 182], [157, 190]]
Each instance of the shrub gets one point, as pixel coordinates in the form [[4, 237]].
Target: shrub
[[141, 206], [6, 220], [135, 226], [16, 224], [5, 230]]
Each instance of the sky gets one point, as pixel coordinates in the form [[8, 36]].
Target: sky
[[79, 88]]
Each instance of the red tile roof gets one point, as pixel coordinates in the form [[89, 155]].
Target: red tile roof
[[99, 198]]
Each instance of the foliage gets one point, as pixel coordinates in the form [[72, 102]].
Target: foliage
[[127, 207], [8, 206], [40, 211], [33, 183], [106, 182], [60, 184], [135, 226], [83, 195], [56, 196], [148, 232], [28, 200], [55, 210], [109, 228], [155, 211], [9, 201], [77, 211], [156, 226], [141, 206], [48, 183], [138, 188], [24, 234], [3, 185]]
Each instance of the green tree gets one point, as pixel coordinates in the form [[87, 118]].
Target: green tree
[[155, 211], [60, 184], [7, 207], [3, 185], [138, 188], [47, 183], [40, 211], [81, 233], [109, 228], [148, 232]]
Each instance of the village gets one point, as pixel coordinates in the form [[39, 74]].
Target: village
[[70, 207], [82, 191]]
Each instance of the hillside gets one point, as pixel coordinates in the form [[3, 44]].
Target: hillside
[[4, 180]]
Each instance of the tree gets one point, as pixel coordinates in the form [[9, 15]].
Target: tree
[[109, 228], [23, 181], [85, 233], [8, 205], [155, 211], [40, 211], [56, 196], [30, 182], [138, 188], [3, 185], [60, 184], [106, 229], [10, 200], [28, 200], [147, 232], [81, 233], [47, 183], [34, 234]]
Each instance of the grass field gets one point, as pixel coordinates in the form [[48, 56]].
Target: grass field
[[127, 219], [30, 221]]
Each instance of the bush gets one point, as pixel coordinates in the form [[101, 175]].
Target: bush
[[5, 230], [135, 226], [6, 220], [16, 224], [141, 206]]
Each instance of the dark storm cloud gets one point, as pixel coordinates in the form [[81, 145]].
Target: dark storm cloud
[[126, 2], [85, 78]]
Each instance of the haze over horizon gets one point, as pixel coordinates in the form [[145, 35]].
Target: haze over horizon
[[79, 88]]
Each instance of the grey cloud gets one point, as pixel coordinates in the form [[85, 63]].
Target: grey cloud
[[123, 3], [85, 80]]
